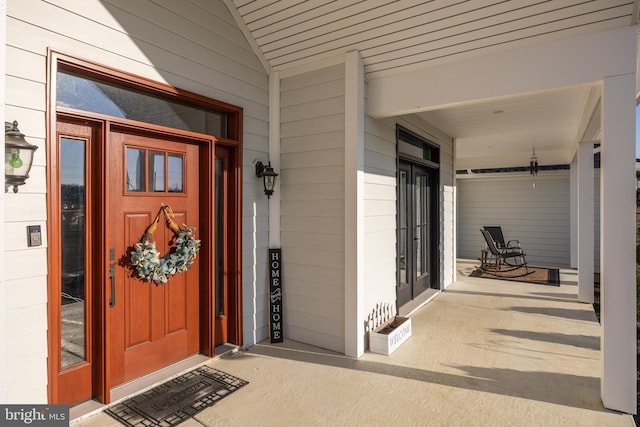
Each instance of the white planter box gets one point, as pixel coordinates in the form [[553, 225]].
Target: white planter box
[[389, 336]]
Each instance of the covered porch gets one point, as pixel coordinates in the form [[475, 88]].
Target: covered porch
[[483, 352]]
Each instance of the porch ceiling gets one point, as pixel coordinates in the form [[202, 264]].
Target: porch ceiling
[[404, 35]]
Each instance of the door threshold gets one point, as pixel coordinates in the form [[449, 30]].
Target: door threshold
[[409, 308], [86, 409]]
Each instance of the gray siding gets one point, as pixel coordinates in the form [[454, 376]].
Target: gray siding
[[192, 45], [538, 218], [312, 206]]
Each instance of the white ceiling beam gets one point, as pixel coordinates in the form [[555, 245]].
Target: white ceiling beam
[[563, 63]]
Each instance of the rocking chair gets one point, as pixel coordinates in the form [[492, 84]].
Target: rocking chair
[[498, 238], [501, 256]]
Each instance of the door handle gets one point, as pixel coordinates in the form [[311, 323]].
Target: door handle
[[112, 277]]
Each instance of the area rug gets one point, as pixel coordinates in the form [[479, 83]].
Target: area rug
[[537, 275], [176, 400]]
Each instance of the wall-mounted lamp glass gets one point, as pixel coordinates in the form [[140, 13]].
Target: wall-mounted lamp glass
[[18, 156], [268, 176]]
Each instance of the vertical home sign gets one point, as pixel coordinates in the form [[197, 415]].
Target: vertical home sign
[[275, 295]]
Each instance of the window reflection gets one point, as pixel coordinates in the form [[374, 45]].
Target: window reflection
[[97, 96], [156, 171], [135, 169], [73, 313], [176, 177]]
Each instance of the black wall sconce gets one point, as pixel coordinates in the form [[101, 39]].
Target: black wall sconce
[[268, 176], [18, 156]]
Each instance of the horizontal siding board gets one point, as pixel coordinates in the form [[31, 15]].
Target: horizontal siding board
[[379, 192], [314, 240], [306, 110], [319, 141], [312, 175], [315, 158], [313, 94], [320, 191], [298, 254], [321, 224], [317, 125], [309, 208], [311, 273], [322, 340]]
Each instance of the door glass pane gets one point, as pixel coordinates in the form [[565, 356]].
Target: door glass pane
[[156, 171], [135, 170], [84, 93], [73, 310], [402, 219], [176, 177], [421, 225], [219, 236]]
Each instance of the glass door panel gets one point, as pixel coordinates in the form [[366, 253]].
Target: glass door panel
[[73, 237]]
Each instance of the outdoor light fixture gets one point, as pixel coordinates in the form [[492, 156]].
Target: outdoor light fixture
[[533, 166], [18, 156], [268, 176]]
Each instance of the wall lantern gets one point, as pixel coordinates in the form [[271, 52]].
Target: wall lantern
[[268, 176], [18, 156]]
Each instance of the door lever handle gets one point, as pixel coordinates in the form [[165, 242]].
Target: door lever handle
[[112, 277]]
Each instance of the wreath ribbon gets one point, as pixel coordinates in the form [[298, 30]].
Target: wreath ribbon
[[146, 259]]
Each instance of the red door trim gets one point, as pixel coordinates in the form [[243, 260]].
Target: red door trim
[[101, 376]]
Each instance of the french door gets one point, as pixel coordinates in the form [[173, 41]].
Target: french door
[[416, 219]]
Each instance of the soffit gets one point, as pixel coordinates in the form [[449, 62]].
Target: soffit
[[393, 36]]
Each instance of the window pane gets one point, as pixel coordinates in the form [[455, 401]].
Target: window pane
[[156, 171], [219, 233], [135, 169], [403, 249], [421, 224], [176, 177], [98, 96], [73, 310]]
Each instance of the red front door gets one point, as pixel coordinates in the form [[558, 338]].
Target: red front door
[[151, 325]]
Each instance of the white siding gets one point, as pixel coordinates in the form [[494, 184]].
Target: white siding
[[193, 45], [538, 218], [379, 213], [312, 206]]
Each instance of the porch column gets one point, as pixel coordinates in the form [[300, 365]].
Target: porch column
[[354, 335], [585, 222], [617, 238], [573, 211]]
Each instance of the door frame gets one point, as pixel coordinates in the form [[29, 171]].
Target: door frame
[[432, 166], [207, 143]]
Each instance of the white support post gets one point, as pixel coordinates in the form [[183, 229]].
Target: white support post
[[274, 158], [573, 211], [617, 237], [585, 222], [354, 335]]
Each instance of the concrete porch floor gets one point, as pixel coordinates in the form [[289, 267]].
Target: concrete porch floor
[[484, 352]]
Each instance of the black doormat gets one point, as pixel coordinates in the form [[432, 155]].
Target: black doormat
[[176, 400], [538, 275]]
